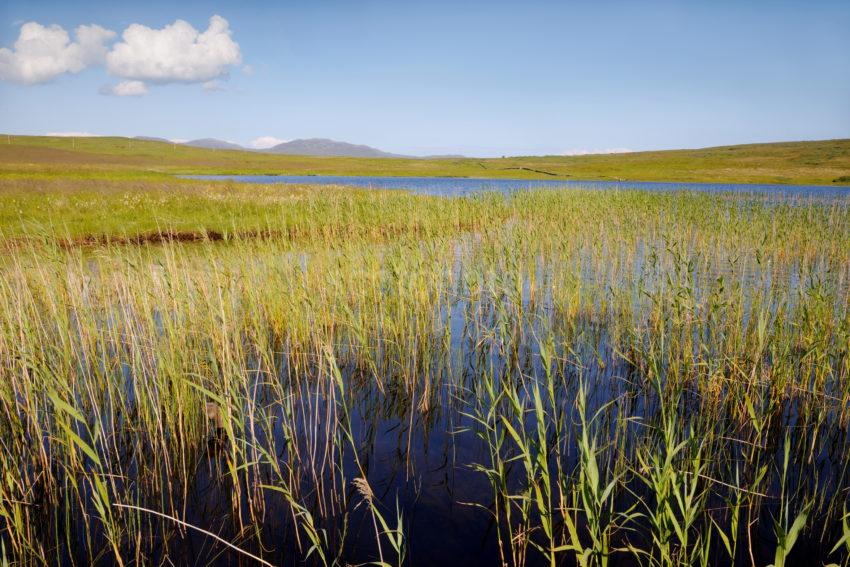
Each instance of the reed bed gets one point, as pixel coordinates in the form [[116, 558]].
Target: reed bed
[[603, 377]]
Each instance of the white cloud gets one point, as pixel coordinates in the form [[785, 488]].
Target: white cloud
[[176, 53], [265, 142], [586, 152], [42, 53], [178, 140], [72, 134], [213, 86], [125, 88]]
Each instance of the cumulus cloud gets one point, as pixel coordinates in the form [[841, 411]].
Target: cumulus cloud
[[586, 152], [265, 142], [177, 53], [41, 53], [125, 88]]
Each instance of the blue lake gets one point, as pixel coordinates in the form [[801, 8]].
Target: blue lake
[[453, 186]]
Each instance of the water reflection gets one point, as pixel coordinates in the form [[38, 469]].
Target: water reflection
[[458, 186]]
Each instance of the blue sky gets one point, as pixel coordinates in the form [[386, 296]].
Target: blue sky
[[479, 78]]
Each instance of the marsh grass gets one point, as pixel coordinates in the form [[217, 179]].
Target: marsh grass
[[661, 377]]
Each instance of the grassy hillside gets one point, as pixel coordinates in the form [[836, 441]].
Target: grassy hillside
[[819, 162]]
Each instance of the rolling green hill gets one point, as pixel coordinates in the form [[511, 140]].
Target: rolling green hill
[[818, 162]]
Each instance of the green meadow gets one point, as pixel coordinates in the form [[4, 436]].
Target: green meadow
[[818, 163], [197, 372]]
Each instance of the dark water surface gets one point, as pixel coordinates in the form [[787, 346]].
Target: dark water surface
[[454, 186], [427, 460]]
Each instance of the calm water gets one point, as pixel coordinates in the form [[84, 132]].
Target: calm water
[[425, 461], [452, 186]]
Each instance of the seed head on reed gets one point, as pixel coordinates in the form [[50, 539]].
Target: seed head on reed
[[213, 413], [362, 486]]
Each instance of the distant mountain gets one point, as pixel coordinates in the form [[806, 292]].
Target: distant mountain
[[213, 144], [302, 147], [153, 139], [325, 147]]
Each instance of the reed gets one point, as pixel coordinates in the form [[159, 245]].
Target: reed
[[664, 377]]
